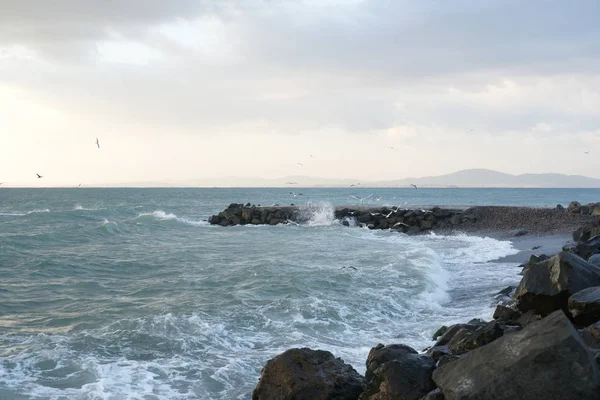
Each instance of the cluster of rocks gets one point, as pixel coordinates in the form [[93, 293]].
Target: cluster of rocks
[[405, 220], [543, 343], [401, 220], [244, 214], [576, 208]]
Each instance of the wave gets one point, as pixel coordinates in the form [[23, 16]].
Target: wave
[[38, 211], [319, 214], [160, 215]]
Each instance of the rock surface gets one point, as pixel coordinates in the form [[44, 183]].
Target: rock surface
[[547, 285], [381, 354], [407, 377], [584, 306], [305, 374], [545, 360], [588, 248]]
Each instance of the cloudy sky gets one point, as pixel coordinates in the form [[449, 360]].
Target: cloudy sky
[[188, 90]]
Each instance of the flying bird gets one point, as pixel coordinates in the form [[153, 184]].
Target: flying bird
[[415, 186], [311, 156], [1, 183], [378, 198], [393, 212], [79, 185], [39, 176], [296, 194], [586, 152], [97, 143], [391, 147], [361, 199], [349, 267], [300, 164], [291, 183]]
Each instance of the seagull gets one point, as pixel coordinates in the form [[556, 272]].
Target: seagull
[[39, 176], [378, 198], [391, 147], [97, 143], [586, 152], [349, 267], [300, 164], [374, 214], [79, 185], [311, 156], [291, 183], [296, 194], [393, 212], [352, 185], [361, 199], [415, 186]]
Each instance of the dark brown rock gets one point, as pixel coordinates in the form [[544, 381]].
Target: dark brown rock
[[584, 306], [407, 377], [466, 340], [547, 285], [381, 354], [506, 314], [545, 360], [305, 374]]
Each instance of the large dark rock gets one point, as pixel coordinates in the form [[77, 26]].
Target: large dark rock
[[591, 335], [574, 207], [407, 377], [506, 314], [588, 248], [547, 285], [381, 354], [449, 334], [305, 374], [595, 260], [584, 306], [434, 395], [586, 232], [545, 360], [466, 340]]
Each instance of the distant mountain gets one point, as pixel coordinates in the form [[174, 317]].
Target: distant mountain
[[490, 178]]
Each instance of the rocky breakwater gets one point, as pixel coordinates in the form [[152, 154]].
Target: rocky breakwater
[[543, 343], [401, 220]]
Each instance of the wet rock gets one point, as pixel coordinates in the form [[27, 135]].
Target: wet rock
[[574, 207], [305, 374], [586, 232], [406, 377], [559, 208], [547, 285], [471, 326], [466, 340], [447, 359], [528, 318], [595, 260], [437, 352], [506, 314], [584, 306], [381, 354], [545, 360], [588, 248], [440, 332], [519, 232], [434, 395], [591, 335]]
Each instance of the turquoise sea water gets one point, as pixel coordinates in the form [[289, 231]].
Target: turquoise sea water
[[130, 294]]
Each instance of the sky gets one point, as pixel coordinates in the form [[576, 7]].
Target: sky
[[186, 91]]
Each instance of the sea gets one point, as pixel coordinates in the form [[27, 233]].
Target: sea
[[131, 294]]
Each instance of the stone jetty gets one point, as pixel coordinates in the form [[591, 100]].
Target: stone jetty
[[510, 221], [409, 221]]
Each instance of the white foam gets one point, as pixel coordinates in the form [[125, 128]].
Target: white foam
[[38, 211], [160, 215], [6, 214], [319, 214]]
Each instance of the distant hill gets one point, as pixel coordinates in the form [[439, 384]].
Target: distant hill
[[490, 178]]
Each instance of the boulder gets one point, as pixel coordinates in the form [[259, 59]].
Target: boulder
[[591, 336], [466, 340], [547, 285], [437, 352], [595, 209], [441, 330], [381, 354], [408, 377], [449, 334], [506, 314], [595, 260], [559, 208], [528, 318], [574, 207], [545, 360], [305, 374], [588, 248], [586, 232], [584, 306]]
